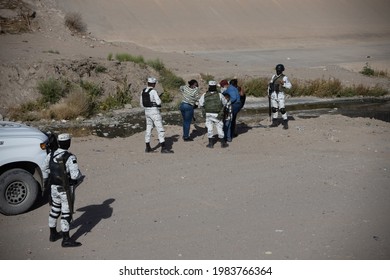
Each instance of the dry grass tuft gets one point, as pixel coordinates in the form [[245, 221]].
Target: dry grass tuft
[[74, 105], [75, 22]]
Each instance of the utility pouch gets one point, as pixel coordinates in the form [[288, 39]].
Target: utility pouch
[[276, 87]]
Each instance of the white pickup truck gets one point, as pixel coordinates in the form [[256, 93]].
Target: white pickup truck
[[22, 153]]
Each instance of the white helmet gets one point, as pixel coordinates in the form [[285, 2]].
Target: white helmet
[[152, 80], [63, 137]]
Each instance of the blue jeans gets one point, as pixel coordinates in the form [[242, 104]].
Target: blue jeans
[[226, 130], [236, 107], [187, 112]]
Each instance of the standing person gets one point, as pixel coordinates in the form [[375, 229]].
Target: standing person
[[227, 115], [151, 101], [235, 99], [63, 171], [242, 96], [190, 98], [224, 84], [276, 94], [212, 102]]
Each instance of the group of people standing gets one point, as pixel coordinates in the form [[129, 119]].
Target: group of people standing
[[220, 104], [220, 107]]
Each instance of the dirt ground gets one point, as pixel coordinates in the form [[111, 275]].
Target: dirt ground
[[316, 191]]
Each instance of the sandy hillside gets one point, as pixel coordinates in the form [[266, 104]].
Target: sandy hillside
[[322, 39], [247, 24]]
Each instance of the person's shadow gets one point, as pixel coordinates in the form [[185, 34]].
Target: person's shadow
[[198, 131], [243, 128], [92, 215], [168, 142]]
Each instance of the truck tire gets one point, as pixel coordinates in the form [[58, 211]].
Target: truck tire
[[18, 191]]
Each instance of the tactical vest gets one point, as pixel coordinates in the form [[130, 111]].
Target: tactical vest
[[278, 79], [277, 82], [146, 98], [212, 102], [56, 170]]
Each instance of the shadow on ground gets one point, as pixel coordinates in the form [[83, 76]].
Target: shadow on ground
[[92, 216]]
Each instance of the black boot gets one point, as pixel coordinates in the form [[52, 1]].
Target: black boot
[[274, 123], [164, 149], [54, 235], [148, 149], [68, 241], [223, 143], [285, 124], [211, 143]]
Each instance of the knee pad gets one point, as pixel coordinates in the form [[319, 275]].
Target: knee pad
[[283, 110], [274, 110]]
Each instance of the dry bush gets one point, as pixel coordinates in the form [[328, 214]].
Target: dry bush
[[74, 105], [75, 22]]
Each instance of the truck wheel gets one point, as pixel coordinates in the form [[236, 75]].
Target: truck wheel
[[18, 191]]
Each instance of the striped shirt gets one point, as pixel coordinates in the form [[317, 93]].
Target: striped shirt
[[190, 95], [227, 111]]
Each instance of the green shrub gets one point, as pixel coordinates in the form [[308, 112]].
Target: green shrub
[[123, 94], [333, 88], [361, 90], [122, 57], [100, 69], [156, 64], [256, 87], [121, 97], [169, 80], [320, 88], [53, 90], [368, 71], [109, 56], [92, 90], [167, 96], [108, 103], [93, 93], [325, 88]]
